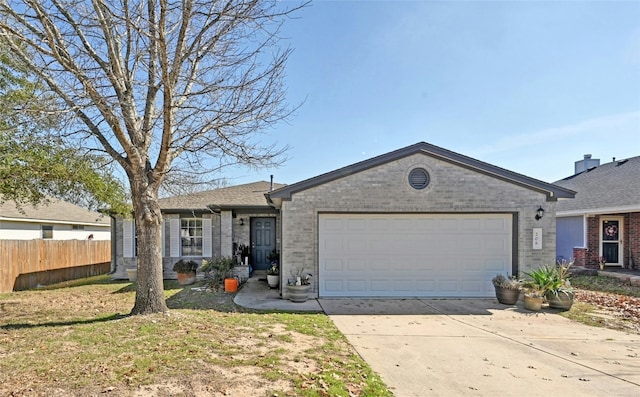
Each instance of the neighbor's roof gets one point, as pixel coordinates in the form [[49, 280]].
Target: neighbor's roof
[[553, 192], [247, 196], [609, 188], [52, 211]]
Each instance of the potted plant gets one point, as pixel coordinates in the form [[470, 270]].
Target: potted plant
[[560, 296], [273, 275], [602, 262], [553, 282], [507, 289], [533, 299], [186, 270], [220, 269], [298, 287], [132, 274]]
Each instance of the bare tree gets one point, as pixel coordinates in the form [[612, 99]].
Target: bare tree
[[161, 87]]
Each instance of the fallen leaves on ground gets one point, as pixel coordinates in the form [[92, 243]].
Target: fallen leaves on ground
[[625, 307]]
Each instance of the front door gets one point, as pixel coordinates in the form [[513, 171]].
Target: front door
[[263, 241], [611, 240]]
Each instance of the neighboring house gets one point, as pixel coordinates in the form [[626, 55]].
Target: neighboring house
[[421, 221], [54, 219], [604, 218], [204, 225]]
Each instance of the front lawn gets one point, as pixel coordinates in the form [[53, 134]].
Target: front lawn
[[606, 302], [77, 339]]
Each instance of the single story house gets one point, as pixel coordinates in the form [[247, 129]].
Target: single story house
[[53, 219], [604, 218], [420, 221], [223, 222]]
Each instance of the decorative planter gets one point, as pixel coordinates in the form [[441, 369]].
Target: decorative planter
[[507, 296], [273, 280], [533, 303], [133, 275], [186, 278], [230, 285], [562, 300], [298, 293]]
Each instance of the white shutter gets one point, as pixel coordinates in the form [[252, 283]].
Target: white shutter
[[127, 238], [164, 249], [207, 243], [174, 238]]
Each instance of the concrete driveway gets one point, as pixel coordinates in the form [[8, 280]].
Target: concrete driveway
[[478, 347]]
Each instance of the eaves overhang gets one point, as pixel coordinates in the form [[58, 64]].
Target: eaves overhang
[[552, 192]]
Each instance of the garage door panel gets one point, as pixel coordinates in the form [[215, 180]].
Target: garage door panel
[[413, 255], [334, 265], [356, 265], [356, 287]]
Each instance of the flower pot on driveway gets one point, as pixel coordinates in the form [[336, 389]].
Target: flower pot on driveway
[[562, 300], [507, 296], [533, 303]]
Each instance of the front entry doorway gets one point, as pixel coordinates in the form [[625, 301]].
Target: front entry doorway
[[263, 241], [611, 240]]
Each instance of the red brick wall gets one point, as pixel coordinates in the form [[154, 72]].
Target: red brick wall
[[593, 242], [579, 257], [631, 240]]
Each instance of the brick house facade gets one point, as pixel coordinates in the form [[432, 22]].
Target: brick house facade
[[461, 191]]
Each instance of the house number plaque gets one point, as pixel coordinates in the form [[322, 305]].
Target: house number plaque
[[537, 238]]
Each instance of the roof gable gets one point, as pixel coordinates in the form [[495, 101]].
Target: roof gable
[[250, 195], [553, 192], [610, 187]]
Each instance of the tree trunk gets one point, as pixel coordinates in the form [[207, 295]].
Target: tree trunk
[[150, 288]]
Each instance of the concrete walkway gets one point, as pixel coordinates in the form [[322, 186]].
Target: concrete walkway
[[473, 347], [256, 294]]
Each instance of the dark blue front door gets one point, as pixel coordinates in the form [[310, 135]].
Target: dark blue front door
[[263, 241]]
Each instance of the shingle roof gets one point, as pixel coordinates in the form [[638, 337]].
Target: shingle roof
[[553, 192], [53, 211], [247, 195], [610, 187]]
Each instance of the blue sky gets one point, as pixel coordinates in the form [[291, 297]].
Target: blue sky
[[528, 86]]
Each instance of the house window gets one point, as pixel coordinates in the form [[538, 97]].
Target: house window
[[47, 231], [77, 227], [191, 236]]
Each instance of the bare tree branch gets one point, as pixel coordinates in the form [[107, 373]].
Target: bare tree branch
[[167, 88]]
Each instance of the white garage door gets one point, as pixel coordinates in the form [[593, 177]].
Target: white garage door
[[421, 255]]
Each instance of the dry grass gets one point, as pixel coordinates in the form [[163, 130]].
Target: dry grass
[[79, 340]]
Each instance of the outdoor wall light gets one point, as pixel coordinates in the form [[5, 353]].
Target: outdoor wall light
[[241, 222], [539, 213]]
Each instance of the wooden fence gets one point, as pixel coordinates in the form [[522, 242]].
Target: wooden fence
[[25, 264]]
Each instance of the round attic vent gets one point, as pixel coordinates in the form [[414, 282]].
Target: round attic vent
[[418, 178]]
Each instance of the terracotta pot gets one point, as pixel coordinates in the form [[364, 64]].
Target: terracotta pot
[[230, 285], [186, 278], [507, 296]]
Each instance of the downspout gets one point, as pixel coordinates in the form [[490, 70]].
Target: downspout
[[113, 245]]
